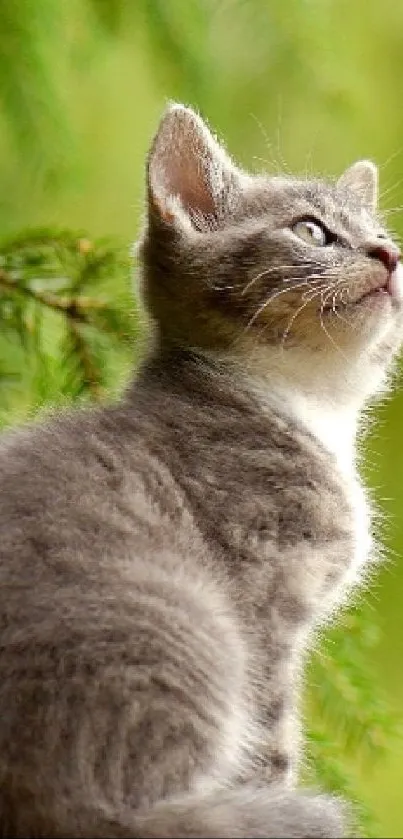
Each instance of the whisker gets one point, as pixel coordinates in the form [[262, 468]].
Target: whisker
[[334, 307], [287, 330], [332, 293], [328, 333], [279, 165], [326, 293], [313, 281], [387, 210], [308, 278], [267, 302], [389, 190], [268, 271]]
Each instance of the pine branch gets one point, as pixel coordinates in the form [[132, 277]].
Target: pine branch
[[91, 374], [76, 309], [85, 286]]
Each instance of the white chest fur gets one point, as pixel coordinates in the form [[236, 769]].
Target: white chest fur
[[336, 429]]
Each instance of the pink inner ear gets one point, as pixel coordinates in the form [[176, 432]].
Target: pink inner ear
[[186, 175], [182, 165]]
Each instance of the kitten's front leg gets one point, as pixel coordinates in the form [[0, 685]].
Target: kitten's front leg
[[275, 700], [278, 750]]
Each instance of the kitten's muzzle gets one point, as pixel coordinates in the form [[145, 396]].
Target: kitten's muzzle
[[389, 286], [392, 287], [388, 254]]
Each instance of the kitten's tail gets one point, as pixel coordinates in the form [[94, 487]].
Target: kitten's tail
[[243, 812]]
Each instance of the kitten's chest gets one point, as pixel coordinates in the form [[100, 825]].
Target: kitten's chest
[[292, 525], [288, 520], [361, 533]]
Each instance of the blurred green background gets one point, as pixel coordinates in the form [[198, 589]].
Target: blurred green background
[[304, 85]]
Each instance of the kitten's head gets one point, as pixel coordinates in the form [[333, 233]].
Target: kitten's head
[[241, 263]]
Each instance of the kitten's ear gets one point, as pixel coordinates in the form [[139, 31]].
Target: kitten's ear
[[362, 177], [191, 179]]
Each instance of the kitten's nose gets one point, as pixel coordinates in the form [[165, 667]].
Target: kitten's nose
[[387, 253]]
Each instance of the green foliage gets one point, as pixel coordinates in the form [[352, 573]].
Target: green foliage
[[109, 13], [31, 93], [28, 32], [176, 35], [349, 718], [81, 84], [67, 311]]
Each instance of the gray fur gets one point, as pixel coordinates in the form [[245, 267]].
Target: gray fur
[[163, 561]]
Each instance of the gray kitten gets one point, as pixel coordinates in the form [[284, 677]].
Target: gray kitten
[[164, 560]]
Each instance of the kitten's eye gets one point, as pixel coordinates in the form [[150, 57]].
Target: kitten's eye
[[312, 233]]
